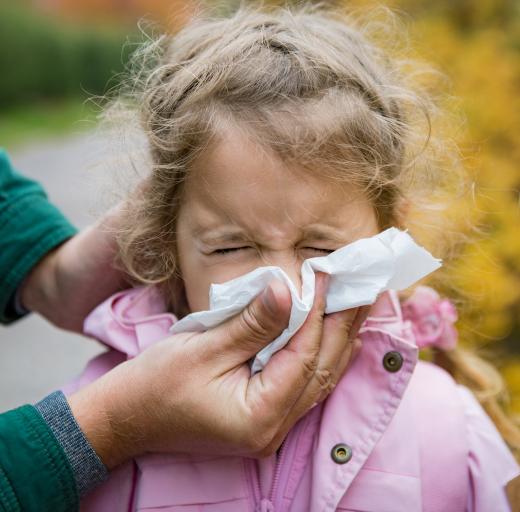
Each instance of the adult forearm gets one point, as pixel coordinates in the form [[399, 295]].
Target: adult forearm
[[30, 227], [51, 271], [72, 279], [35, 473], [46, 462]]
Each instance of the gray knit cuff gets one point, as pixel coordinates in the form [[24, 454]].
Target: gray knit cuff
[[87, 467]]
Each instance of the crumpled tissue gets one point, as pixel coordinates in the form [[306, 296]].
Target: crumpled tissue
[[359, 272]]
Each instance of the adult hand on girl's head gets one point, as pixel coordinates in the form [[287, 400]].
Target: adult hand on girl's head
[[193, 392], [76, 276]]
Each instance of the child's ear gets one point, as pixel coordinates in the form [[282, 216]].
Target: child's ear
[[402, 211], [178, 302]]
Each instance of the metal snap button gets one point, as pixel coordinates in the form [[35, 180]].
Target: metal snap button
[[392, 361], [341, 453]]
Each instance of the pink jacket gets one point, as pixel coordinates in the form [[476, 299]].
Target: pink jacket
[[397, 434]]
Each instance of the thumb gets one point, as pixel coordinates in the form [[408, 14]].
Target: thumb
[[263, 320]]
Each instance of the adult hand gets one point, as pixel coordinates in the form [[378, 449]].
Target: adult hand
[[76, 276], [193, 392]]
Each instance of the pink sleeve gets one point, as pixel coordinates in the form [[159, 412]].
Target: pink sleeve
[[491, 464]]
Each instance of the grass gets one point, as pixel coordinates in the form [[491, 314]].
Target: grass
[[44, 120]]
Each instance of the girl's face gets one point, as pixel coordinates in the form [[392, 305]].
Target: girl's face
[[243, 209]]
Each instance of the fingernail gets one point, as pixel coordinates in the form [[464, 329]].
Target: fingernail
[[269, 300]]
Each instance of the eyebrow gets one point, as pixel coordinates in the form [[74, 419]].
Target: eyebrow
[[325, 234], [218, 236]]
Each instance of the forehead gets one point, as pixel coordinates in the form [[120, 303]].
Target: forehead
[[239, 182]]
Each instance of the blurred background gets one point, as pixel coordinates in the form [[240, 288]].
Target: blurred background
[[56, 54]]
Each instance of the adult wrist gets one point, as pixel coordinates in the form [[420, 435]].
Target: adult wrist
[[87, 467], [106, 414]]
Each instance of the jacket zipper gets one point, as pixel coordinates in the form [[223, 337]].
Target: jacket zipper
[[285, 457], [265, 504], [277, 471], [268, 504]]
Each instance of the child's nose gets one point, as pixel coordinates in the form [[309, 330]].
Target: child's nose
[[294, 274], [291, 266]]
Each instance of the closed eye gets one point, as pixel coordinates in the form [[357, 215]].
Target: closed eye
[[228, 250], [324, 251]]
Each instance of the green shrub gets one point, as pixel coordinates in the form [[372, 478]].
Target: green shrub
[[40, 58]]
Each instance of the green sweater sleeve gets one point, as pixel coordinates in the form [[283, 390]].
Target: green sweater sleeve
[[35, 474], [30, 226]]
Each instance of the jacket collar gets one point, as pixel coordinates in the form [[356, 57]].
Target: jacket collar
[[131, 320]]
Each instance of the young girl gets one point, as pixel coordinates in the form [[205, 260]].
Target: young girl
[[278, 135]]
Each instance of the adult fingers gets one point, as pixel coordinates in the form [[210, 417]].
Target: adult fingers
[[344, 363], [361, 316], [305, 344], [353, 348], [337, 347], [271, 394], [234, 342], [335, 342], [339, 333]]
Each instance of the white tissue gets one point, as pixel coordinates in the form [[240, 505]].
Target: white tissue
[[359, 272]]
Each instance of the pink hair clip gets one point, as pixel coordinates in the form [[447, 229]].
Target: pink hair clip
[[432, 319]]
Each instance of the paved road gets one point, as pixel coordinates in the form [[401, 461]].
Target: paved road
[[36, 358]]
